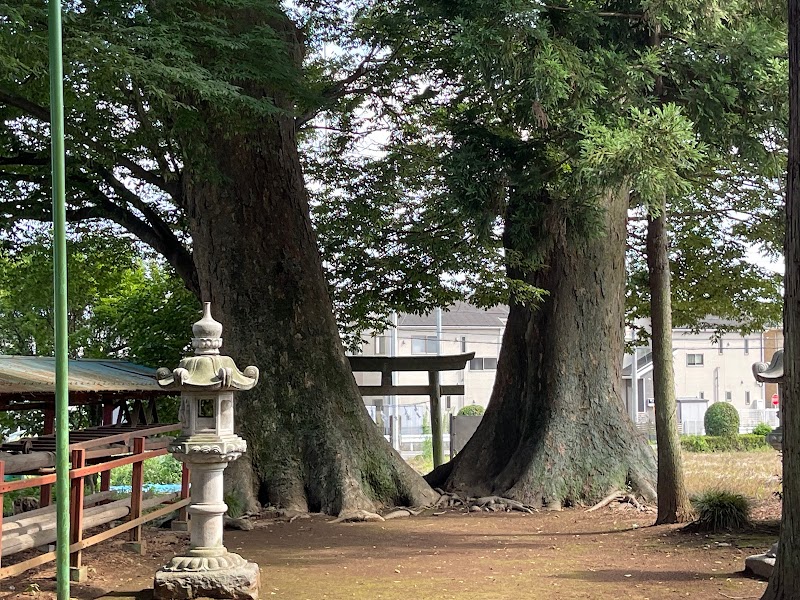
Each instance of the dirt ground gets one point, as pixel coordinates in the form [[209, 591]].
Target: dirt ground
[[611, 553]]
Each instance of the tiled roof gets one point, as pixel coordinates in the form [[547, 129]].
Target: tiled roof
[[460, 314]]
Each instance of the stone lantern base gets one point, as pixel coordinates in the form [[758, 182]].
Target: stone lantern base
[[762, 565], [233, 583]]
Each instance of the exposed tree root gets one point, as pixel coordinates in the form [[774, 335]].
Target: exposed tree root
[[357, 516], [621, 497], [397, 514], [484, 503]]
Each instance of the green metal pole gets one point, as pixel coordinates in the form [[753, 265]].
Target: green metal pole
[[60, 284]]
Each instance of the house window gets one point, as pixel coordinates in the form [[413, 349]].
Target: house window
[[694, 360], [728, 396], [463, 344], [747, 398], [483, 364], [746, 346], [424, 345], [382, 345], [702, 395], [720, 345]]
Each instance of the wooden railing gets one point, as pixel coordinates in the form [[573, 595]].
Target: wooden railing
[[77, 474]]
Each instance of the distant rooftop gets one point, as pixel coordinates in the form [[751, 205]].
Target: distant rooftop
[[461, 314]]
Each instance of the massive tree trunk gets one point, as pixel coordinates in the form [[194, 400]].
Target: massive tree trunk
[[555, 431], [673, 500], [311, 442], [785, 581]]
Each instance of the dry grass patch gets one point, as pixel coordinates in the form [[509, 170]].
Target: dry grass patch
[[752, 474]]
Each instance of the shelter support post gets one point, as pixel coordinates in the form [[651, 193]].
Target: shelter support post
[[46, 491], [108, 419]]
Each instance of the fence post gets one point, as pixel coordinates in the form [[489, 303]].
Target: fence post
[[135, 542], [182, 522], [77, 571], [2, 479]]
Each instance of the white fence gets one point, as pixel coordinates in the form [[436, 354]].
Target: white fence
[[750, 418]]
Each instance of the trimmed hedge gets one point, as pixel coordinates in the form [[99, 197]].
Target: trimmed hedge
[[471, 410], [722, 419], [743, 442]]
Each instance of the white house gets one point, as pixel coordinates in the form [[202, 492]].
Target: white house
[[707, 370]]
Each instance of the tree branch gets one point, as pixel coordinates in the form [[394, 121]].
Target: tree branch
[[339, 88], [619, 15], [41, 113], [24, 159], [157, 236]]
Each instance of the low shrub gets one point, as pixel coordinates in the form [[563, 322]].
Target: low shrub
[[762, 429], [694, 443], [471, 410], [720, 510], [745, 442], [721, 419]]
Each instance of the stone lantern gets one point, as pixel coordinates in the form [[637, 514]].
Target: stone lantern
[[763, 564], [207, 444]]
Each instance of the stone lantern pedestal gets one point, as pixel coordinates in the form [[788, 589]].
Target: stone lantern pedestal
[[207, 444]]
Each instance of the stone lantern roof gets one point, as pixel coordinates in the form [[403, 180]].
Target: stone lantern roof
[[207, 370], [772, 372]]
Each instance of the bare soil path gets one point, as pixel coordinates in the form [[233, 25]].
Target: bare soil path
[[550, 555]]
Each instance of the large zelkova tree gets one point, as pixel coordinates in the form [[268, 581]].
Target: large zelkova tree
[[785, 581], [182, 126]]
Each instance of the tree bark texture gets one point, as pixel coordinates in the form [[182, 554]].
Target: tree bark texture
[[311, 443], [555, 432], [785, 581], [673, 500]]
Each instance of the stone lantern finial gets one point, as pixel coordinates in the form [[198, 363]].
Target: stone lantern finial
[[207, 333]]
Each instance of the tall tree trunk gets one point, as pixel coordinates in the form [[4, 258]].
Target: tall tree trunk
[[311, 442], [673, 501], [555, 431], [785, 581]]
